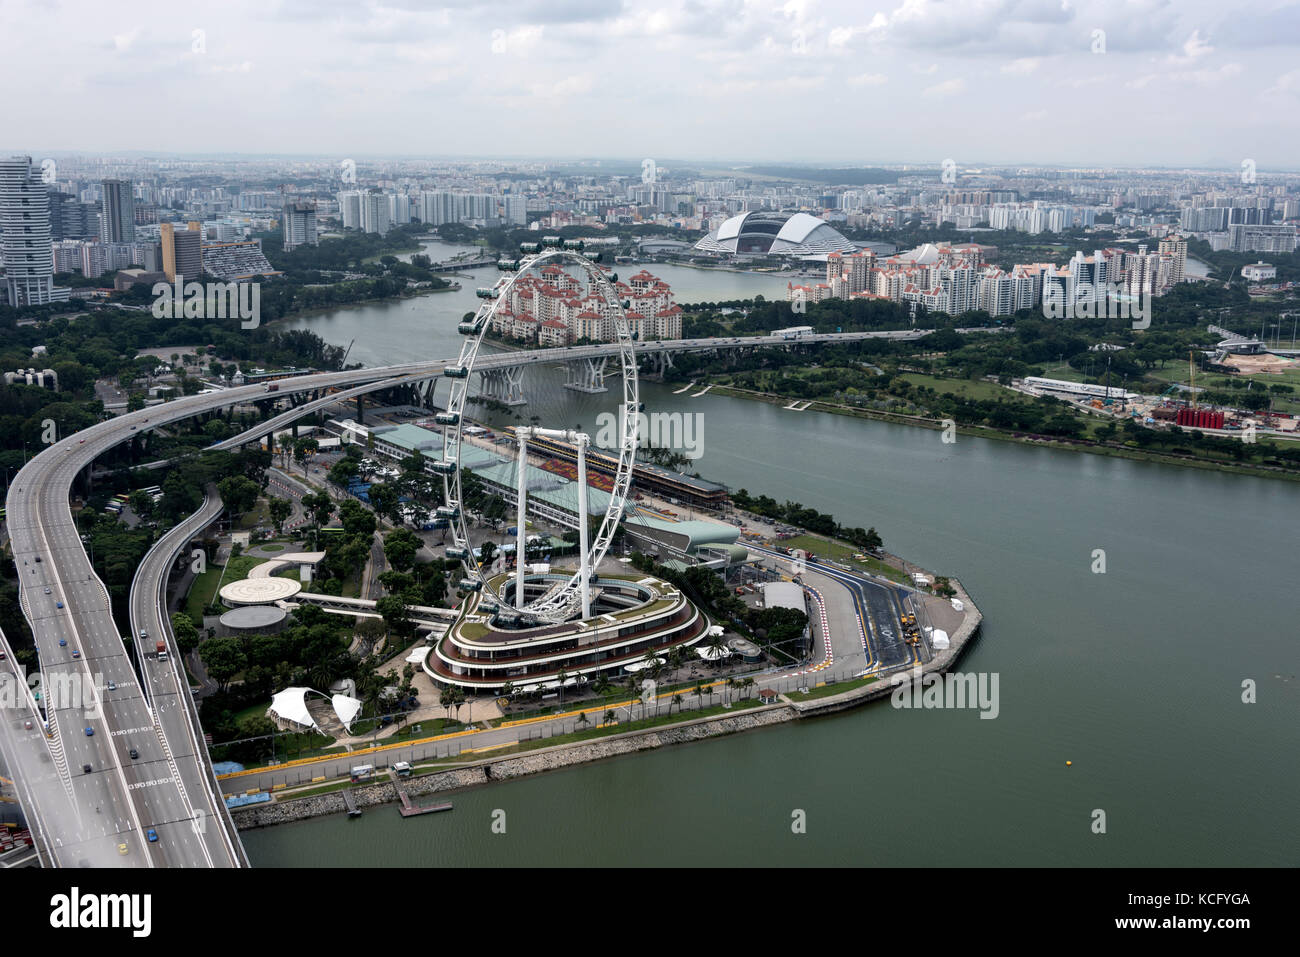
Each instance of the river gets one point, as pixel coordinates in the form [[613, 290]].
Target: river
[[1133, 674]]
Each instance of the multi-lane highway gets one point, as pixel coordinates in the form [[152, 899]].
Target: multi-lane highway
[[125, 761]]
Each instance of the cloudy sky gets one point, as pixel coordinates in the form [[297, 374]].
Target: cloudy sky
[[1078, 82]]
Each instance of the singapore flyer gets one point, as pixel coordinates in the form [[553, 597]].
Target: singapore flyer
[[544, 600]]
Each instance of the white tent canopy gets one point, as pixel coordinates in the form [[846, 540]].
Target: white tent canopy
[[713, 654], [291, 705], [644, 663], [346, 708]]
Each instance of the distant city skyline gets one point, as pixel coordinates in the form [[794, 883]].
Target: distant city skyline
[[1073, 83]]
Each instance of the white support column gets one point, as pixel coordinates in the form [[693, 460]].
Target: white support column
[[583, 567], [520, 535]]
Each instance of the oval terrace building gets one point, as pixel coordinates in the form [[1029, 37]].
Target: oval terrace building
[[633, 618]]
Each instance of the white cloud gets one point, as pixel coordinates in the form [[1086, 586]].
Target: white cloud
[[868, 79], [1193, 49], [569, 86], [946, 88], [122, 42], [1206, 78], [1022, 67], [1288, 84]]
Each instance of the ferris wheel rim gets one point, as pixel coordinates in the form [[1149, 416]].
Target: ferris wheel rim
[[556, 604]]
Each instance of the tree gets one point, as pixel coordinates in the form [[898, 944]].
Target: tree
[[384, 500], [142, 503], [400, 548], [320, 505], [238, 493], [700, 691], [224, 658], [343, 471], [187, 635], [302, 448], [281, 509], [358, 521], [393, 609]]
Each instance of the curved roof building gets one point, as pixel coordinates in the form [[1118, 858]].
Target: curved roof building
[[792, 234]]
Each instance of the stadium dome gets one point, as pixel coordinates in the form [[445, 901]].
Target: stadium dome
[[791, 234]]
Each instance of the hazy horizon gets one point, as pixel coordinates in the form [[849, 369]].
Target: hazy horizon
[[1094, 83]]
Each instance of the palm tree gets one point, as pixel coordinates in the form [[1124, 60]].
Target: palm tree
[[582, 717], [731, 683], [562, 677], [674, 658], [700, 691], [632, 686], [601, 685], [676, 700], [717, 644], [447, 698], [610, 717], [747, 684], [507, 690]]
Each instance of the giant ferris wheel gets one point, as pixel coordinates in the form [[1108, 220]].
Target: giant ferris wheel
[[555, 599]]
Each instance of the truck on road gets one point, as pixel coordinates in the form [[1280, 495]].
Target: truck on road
[[161, 648]]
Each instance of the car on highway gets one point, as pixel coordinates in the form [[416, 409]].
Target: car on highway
[[134, 754], [63, 642], [58, 604], [3, 656], [81, 441], [123, 849], [152, 835], [76, 654], [27, 726], [133, 428], [47, 591], [112, 686], [86, 769], [38, 558], [90, 732]]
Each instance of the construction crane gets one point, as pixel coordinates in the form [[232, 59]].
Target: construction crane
[[1191, 368]]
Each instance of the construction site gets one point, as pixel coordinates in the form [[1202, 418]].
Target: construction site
[[1182, 404]]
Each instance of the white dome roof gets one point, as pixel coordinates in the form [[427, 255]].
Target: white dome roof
[[759, 232]]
